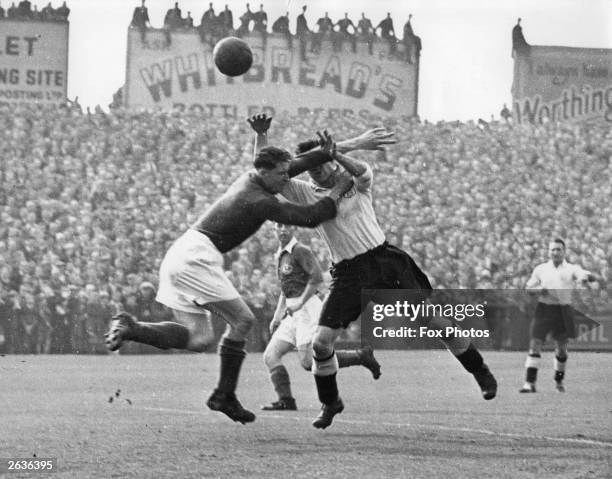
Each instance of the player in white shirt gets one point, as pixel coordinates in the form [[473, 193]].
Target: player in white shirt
[[554, 281], [362, 259]]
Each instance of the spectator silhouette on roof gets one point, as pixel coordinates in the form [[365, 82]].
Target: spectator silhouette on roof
[[302, 32], [281, 25], [365, 30], [208, 18], [140, 19], [519, 44], [245, 22], [225, 19], [260, 24], [343, 32], [12, 11], [63, 12], [387, 32], [24, 9], [325, 27], [412, 42]]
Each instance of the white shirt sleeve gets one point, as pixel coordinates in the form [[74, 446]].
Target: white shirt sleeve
[[363, 182], [534, 282], [579, 274], [298, 191]]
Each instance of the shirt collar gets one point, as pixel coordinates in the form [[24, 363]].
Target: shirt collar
[[288, 247], [561, 265]]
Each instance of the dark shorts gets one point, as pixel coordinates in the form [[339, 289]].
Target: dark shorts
[[384, 267], [556, 319]]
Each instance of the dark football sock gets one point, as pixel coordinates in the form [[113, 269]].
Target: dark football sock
[[531, 375], [327, 387], [163, 335], [281, 382], [348, 358], [470, 359], [231, 355]]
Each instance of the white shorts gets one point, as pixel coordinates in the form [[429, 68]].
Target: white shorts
[[299, 328], [191, 274]]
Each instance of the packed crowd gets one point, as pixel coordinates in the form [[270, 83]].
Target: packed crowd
[[25, 11], [89, 203]]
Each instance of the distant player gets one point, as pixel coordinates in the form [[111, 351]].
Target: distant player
[[192, 280], [296, 318], [363, 259], [554, 280]]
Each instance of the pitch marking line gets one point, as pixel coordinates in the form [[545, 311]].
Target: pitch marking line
[[486, 432]]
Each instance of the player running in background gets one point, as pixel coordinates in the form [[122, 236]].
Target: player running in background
[[362, 260], [191, 276], [554, 281], [296, 318]]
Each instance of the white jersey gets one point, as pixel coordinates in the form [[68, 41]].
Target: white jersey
[[558, 280], [355, 229]]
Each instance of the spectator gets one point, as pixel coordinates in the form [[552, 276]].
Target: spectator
[[325, 28], [365, 31], [188, 21], [519, 44], [173, 19], [260, 20], [260, 24], [387, 32], [208, 17], [411, 42], [24, 10], [12, 11], [281, 25], [226, 21], [47, 14], [505, 113], [302, 32], [63, 12], [245, 21], [343, 33]]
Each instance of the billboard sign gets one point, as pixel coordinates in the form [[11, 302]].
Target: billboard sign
[[181, 73], [33, 61], [562, 84]]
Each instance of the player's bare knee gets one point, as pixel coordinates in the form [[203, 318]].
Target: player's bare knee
[[270, 358], [321, 348], [535, 346], [561, 353], [244, 324]]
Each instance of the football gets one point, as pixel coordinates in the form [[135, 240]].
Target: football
[[232, 56]]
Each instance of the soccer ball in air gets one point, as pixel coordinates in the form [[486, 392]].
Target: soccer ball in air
[[232, 56]]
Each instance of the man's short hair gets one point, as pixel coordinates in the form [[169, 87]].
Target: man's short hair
[[270, 156], [305, 146], [560, 241]]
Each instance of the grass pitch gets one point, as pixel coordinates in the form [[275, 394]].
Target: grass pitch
[[424, 418]]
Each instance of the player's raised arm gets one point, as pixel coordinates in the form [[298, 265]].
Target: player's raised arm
[[260, 124], [374, 139], [359, 169], [315, 157]]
